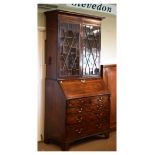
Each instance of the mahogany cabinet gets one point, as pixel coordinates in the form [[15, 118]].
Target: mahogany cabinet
[[77, 102]]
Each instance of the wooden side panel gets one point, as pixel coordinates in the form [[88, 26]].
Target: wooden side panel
[[51, 45], [51, 20], [55, 107], [109, 77]]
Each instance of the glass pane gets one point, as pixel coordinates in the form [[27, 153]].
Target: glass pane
[[69, 49], [91, 50]]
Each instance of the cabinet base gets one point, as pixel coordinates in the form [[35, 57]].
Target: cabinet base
[[65, 146], [105, 135]]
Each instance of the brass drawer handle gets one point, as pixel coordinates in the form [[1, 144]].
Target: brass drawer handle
[[81, 101], [79, 119], [83, 81], [99, 105], [99, 100], [99, 115], [100, 109], [99, 125], [80, 110], [79, 130]]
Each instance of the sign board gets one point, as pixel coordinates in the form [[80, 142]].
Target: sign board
[[106, 8]]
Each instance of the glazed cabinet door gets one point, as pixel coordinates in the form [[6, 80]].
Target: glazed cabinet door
[[91, 46], [69, 48], [79, 47]]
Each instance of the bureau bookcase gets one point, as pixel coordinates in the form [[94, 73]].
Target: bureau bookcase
[[77, 102]]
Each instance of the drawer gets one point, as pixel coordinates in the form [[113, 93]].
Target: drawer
[[75, 131], [75, 110], [94, 107], [89, 104], [99, 108], [78, 102], [81, 109], [78, 131], [80, 118], [100, 100], [86, 118], [100, 104]]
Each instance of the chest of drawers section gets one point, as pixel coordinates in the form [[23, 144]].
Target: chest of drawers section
[[87, 116]]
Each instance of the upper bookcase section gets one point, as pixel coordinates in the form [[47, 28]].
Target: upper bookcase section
[[73, 45]]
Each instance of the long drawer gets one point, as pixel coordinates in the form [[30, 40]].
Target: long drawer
[[91, 108], [87, 117], [89, 104], [78, 131]]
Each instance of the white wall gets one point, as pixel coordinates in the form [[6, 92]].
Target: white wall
[[108, 55], [108, 40], [41, 57]]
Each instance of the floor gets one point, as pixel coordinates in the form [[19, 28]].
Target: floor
[[91, 144]]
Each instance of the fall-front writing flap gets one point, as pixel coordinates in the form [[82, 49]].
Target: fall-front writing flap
[[83, 88]]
